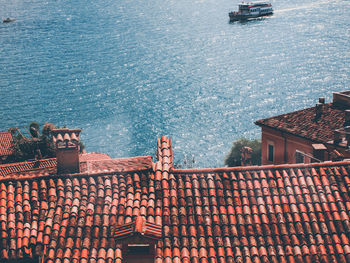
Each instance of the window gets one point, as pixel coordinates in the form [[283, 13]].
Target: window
[[270, 152], [139, 253], [138, 239], [34, 259], [299, 157], [138, 249]]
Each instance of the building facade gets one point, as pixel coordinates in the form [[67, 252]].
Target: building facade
[[316, 134]]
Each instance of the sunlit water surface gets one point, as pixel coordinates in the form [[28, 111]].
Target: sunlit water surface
[[127, 72]]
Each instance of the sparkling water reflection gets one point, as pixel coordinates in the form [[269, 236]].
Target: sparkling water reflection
[[127, 72]]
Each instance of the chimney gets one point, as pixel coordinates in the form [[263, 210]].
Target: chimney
[[319, 151], [347, 135], [347, 118], [318, 111], [337, 137], [342, 99], [321, 100], [67, 150]]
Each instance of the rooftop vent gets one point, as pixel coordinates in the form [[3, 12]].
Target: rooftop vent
[[67, 150], [342, 137], [318, 111], [347, 118], [139, 239], [342, 99]]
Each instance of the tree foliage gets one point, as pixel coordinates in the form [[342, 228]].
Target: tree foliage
[[234, 157], [36, 146]]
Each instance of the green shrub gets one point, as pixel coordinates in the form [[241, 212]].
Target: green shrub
[[234, 157]]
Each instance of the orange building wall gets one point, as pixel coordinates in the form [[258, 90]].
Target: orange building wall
[[285, 146]]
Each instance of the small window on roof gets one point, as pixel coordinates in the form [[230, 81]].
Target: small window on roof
[[139, 253], [35, 259], [138, 249], [139, 239]]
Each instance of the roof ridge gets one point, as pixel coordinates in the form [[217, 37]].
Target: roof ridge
[[45, 174], [113, 159], [25, 162], [164, 153], [258, 122], [7, 171], [26, 173], [262, 167]]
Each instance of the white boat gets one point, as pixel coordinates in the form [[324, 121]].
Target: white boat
[[8, 20], [251, 10]]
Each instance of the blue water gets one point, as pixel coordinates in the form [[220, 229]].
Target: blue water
[[127, 72]]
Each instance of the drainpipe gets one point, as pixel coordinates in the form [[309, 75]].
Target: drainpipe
[[285, 157]]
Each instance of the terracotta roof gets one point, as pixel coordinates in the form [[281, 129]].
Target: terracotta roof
[[66, 135], [5, 143], [284, 213], [84, 157], [139, 227], [139, 163], [48, 167], [302, 123], [23, 167]]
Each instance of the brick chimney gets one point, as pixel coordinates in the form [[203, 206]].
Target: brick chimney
[[337, 137], [318, 111], [67, 150], [347, 118], [347, 135], [319, 151], [342, 99]]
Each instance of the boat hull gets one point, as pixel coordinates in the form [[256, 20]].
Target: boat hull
[[240, 17], [8, 20]]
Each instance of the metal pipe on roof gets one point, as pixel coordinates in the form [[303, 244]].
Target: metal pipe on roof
[[308, 155]]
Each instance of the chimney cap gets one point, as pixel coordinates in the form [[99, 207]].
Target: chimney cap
[[319, 146], [58, 138], [67, 146], [68, 136]]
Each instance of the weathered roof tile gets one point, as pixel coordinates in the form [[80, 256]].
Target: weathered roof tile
[[6, 143], [246, 214], [302, 123]]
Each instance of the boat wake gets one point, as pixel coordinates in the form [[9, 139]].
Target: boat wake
[[312, 5]]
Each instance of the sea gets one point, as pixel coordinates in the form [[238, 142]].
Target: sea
[[128, 72]]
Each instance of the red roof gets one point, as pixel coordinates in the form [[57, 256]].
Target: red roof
[[93, 156], [7, 170], [302, 123], [134, 164], [139, 227], [284, 213], [5, 143]]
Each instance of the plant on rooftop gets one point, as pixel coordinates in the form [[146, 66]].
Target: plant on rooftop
[[234, 156], [35, 146], [187, 162]]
